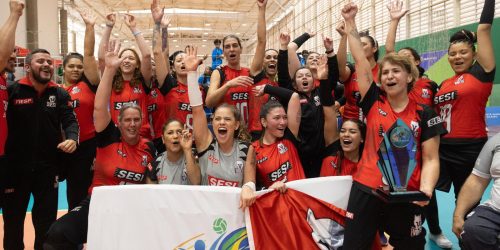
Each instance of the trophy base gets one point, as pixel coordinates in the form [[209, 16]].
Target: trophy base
[[399, 197]]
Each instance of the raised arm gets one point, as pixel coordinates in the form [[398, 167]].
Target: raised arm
[[396, 12], [202, 134], [162, 65], [110, 23], [146, 68], [258, 58], [102, 117], [344, 71], [284, 79], [293, 59], [89, 63], [165, 22], [485, 52], [192, 168], [8, 31], [363, 68]]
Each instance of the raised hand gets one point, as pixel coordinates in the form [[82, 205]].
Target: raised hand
[[341, 28], [165, 21], [130, 21], [190, 60], [186, 140], [16, 7], [396, 10], [261, 3], [327, 42], [349, 11], [88, 16], [156, 11], [110, 19], [311, 33], [322, 69], [111, 58], [284, 38]]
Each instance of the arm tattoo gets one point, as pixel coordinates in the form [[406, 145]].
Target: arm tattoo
[[155, 33], [164, 39], [354, 32]]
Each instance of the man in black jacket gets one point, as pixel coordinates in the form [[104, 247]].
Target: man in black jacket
[[38, 109]]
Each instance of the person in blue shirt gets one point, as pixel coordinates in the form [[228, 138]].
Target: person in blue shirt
[[217, 54]]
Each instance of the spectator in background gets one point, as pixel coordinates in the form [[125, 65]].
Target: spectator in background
[[217, 54], [204, 80]]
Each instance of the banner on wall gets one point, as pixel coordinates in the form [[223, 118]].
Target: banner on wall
[[202, 217]]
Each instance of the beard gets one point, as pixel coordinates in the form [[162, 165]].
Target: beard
[[40, 79]]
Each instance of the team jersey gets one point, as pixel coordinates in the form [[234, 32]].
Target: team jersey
[[136, 95], [352, 110], [422, 120], [423, 91], [220, 169], [461, 101], [118, 163], [336, 165], [176, 101], [156, 111], [256, 102], [82, 99], [278, 161], [237, 96], [171, 172], [4, 98]]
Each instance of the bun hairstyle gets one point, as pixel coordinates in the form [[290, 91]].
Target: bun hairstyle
[[373, 42], [171, 59], [417, 57], [464, 36]]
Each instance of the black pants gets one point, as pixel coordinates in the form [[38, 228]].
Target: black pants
[[79, 172], [43, 185], [402, 221], [432, 215], [481, 229], [69, 231]]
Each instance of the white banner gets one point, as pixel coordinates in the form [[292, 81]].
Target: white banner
[[183, 217]]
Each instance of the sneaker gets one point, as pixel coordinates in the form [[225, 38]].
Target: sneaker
[[441, 240]]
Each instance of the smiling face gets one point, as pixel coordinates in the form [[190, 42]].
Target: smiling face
[[129, 123], [232, 50], [73, 70], [41, 67], [179, 66], [225, 125], [394, 79], [129, 63], [312, 60], [350, 137], [275, 122], [461, 57], [271, 62], [304, 81], [171, 137]]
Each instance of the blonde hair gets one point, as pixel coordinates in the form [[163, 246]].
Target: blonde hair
[[402, 61]]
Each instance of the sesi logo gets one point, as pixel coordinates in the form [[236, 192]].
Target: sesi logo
[[278, 173], [128, 175], [214, 181]]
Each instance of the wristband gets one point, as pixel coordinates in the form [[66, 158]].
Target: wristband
[[136, 33], [250, 185], [282, 93], [194, 93], [301, 39], [328, 51], [488, 12]]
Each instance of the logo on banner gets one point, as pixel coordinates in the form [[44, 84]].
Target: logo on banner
[[331, 238], [236, 239]]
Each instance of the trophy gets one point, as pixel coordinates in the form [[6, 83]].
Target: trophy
[[396, 163]]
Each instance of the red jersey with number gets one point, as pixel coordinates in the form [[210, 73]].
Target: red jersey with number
[[461, 101], [256, 102], [176, 101], [237, 96], [118, 163], [423, 91], [352, 110], [128, 95], [4, 99], [156, 111], [278, 161], [82, 99], [335, 165], [380, 117]]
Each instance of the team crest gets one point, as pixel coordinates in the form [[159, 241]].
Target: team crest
[[460, 80], [75, 90], [414, 128], [282, 148], [153, 93], [317, 102], [425, 94], [52, 101], [238, 168]]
